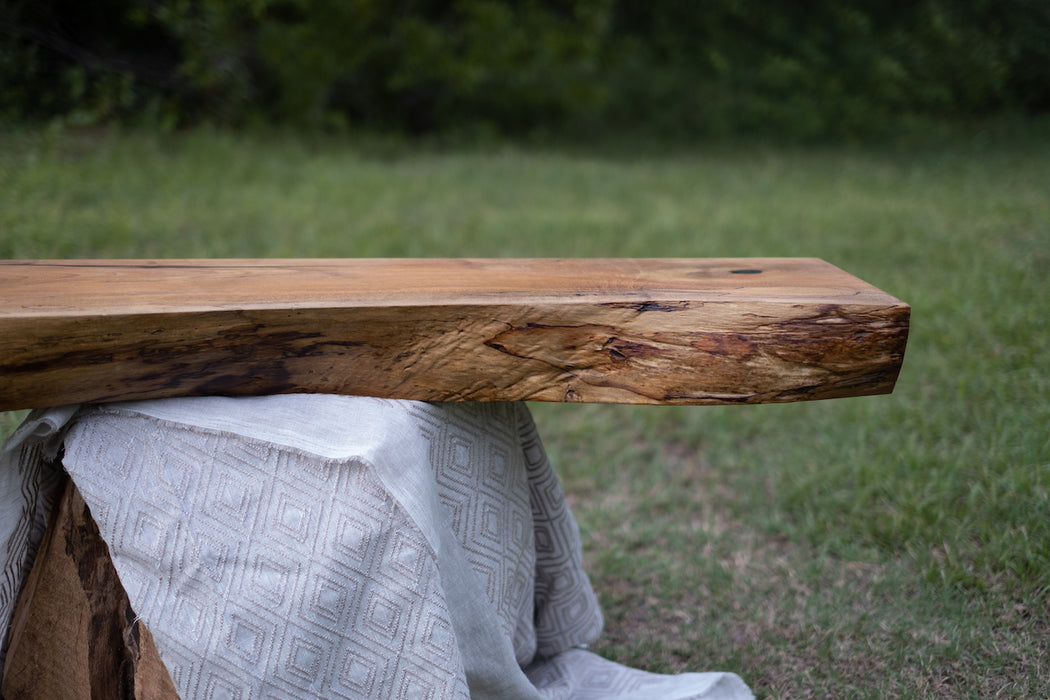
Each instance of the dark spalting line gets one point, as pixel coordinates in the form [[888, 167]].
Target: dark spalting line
[[256, 342], [611, 382], [584, 340], [269, 380], [78, 358], [713, 398], [643, 306], [726, 344], [621, 349]]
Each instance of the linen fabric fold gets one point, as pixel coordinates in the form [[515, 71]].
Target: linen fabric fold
[[30, 478], [339, 547]]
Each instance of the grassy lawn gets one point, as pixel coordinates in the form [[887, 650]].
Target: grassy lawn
[[894, 546]]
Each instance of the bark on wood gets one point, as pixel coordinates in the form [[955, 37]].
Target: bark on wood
[[74, 635], [660, 331]]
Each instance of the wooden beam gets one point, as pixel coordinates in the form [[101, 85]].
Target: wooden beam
[[74, 635], [658, 331]]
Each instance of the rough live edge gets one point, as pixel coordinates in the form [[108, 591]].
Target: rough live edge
[[652, 331]]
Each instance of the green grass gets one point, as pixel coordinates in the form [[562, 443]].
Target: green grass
[[894, 546]]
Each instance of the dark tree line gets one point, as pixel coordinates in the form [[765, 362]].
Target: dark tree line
[[804, 67]]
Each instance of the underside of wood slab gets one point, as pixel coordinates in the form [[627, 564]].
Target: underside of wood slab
[[74, 635], [652, 331]]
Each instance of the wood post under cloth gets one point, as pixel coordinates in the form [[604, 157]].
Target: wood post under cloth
[[74, 635]]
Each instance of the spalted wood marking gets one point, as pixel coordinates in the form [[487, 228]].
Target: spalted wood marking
[[74, 634], [665, 331], [788, 360]]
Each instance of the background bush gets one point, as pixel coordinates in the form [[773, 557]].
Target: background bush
[[806, 68]]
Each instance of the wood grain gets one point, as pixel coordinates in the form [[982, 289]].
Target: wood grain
[[74, 635], [659, 331]]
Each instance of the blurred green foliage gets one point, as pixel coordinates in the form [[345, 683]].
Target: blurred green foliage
[[806, 69]]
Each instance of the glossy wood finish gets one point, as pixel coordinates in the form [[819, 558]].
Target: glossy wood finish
[[657, 331]]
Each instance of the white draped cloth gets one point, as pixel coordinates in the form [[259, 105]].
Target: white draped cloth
[[322, 546]]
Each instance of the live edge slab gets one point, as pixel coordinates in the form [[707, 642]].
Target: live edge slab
[[648, 331]]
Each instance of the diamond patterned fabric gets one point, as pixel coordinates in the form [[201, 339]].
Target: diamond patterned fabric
[[345, 547]]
